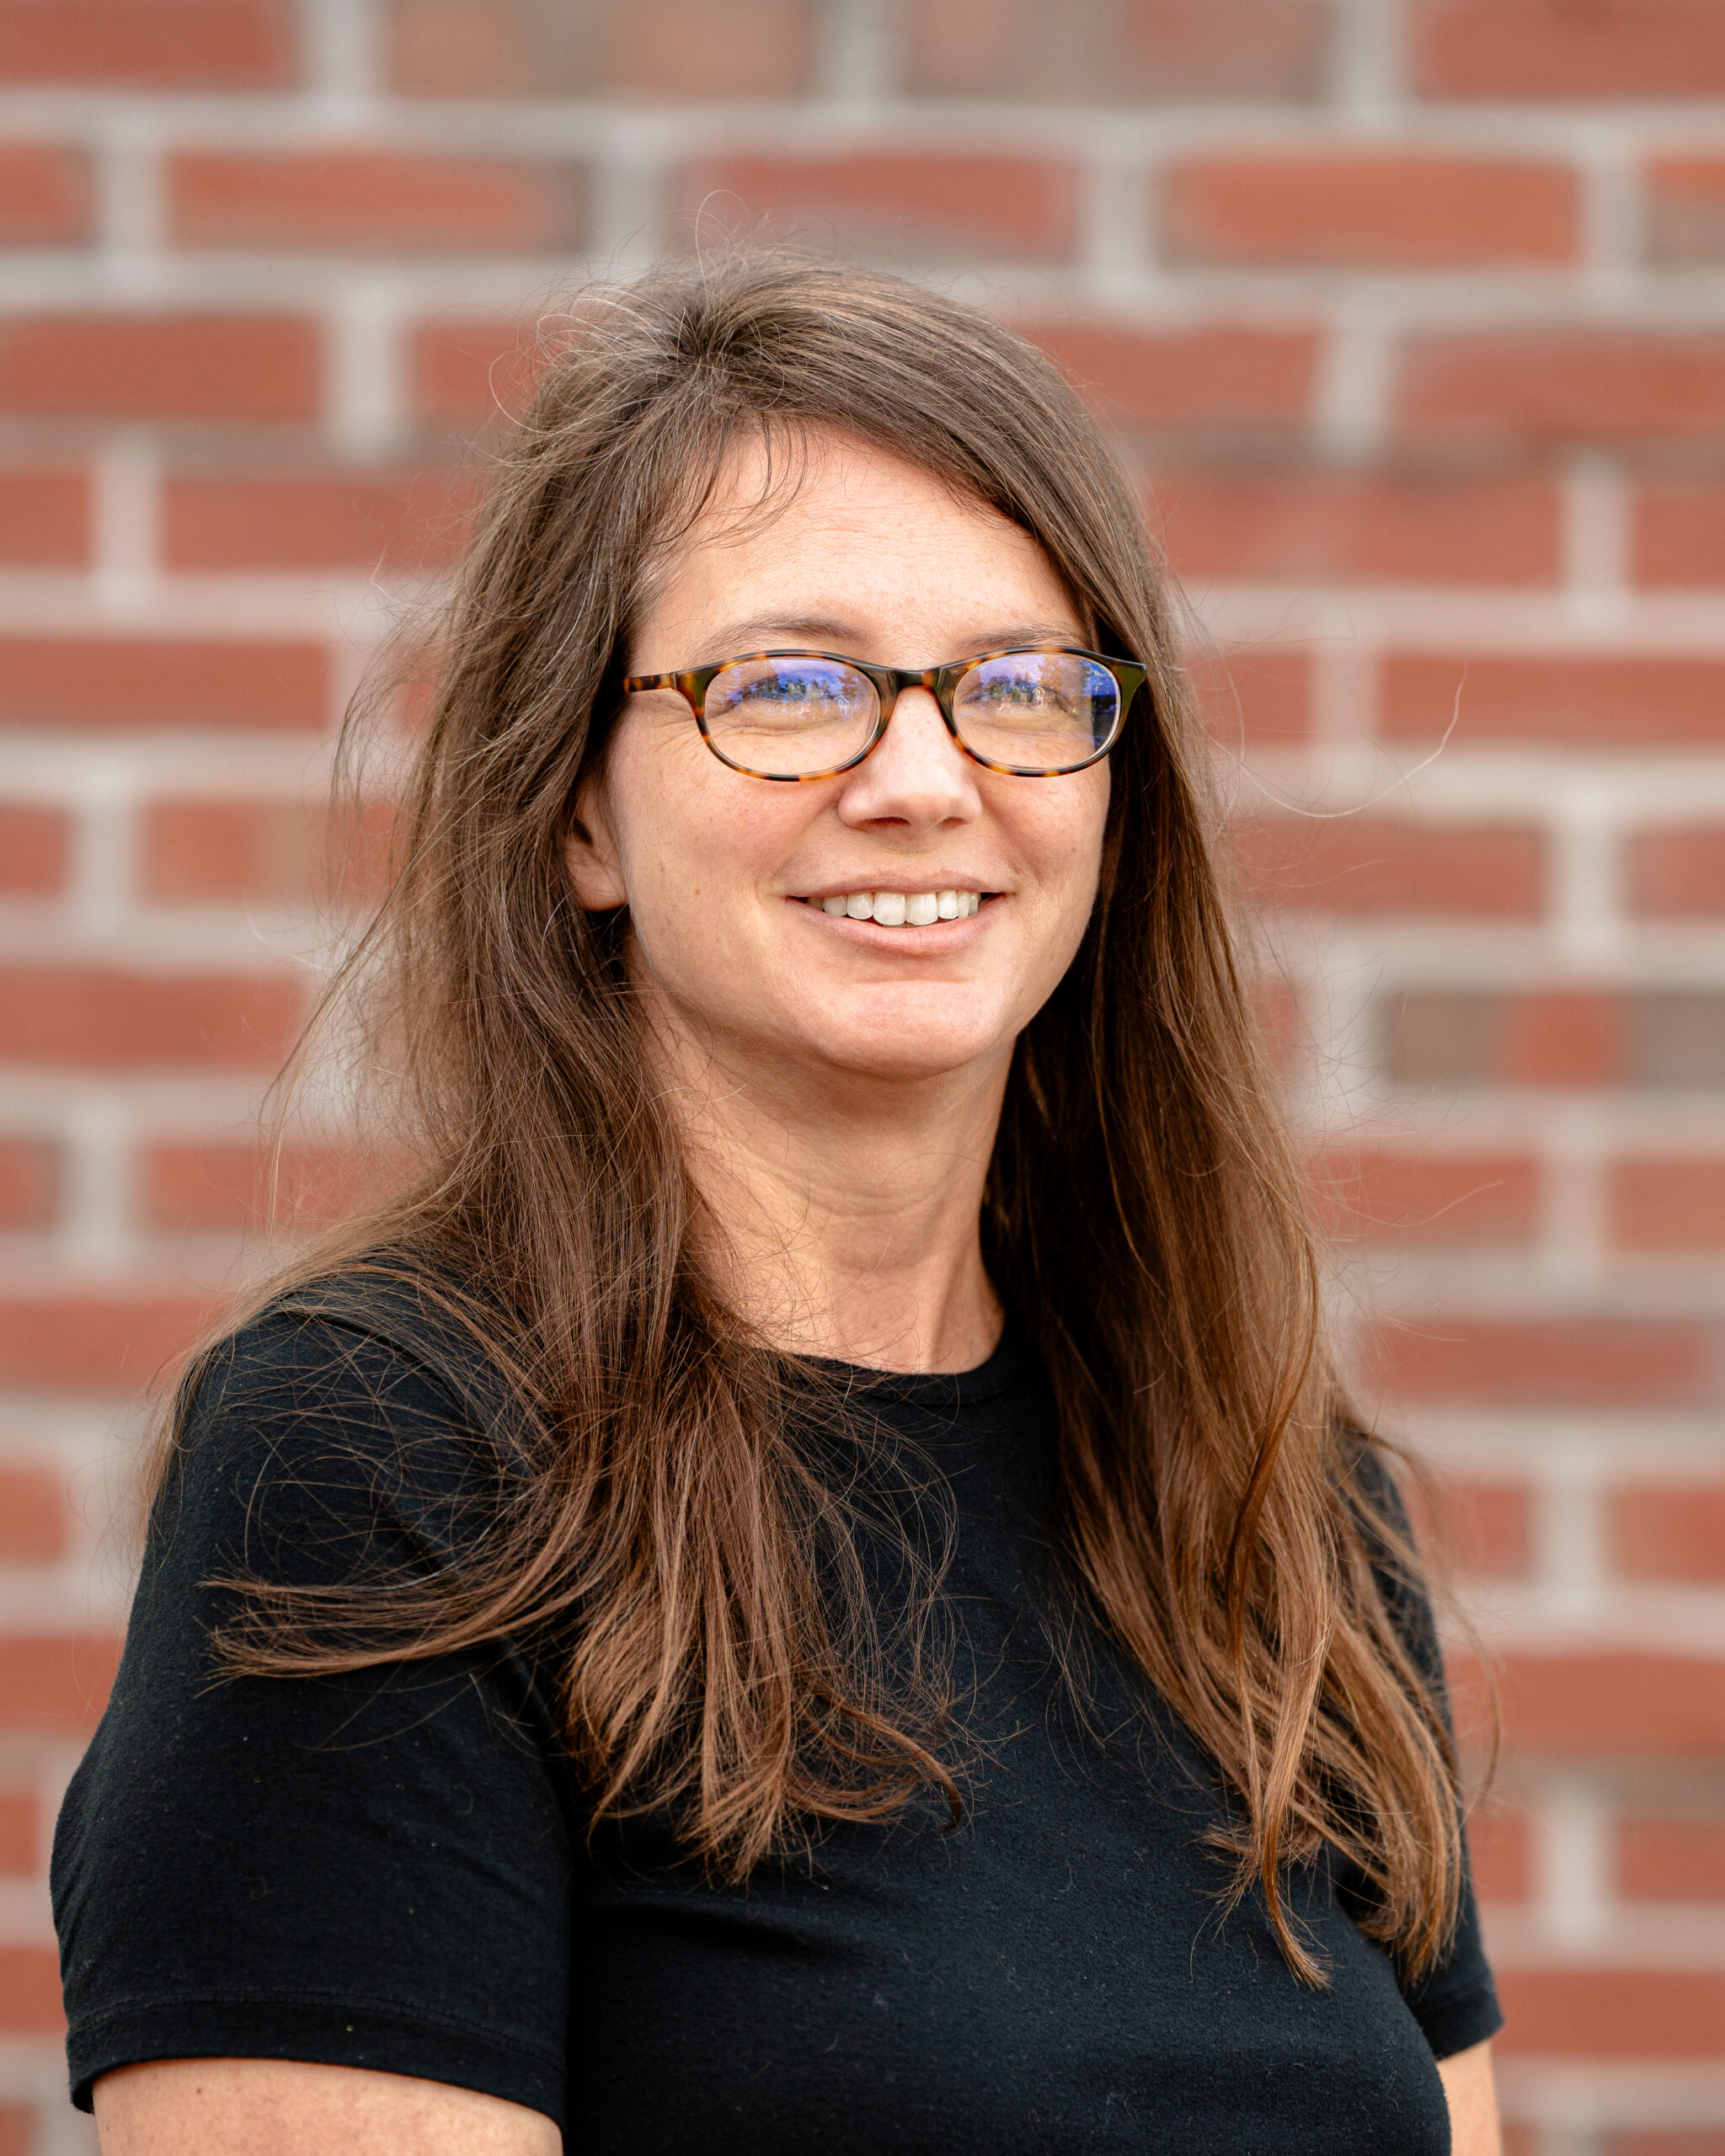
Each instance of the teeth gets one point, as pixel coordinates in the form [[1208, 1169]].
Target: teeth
[[897, 909]]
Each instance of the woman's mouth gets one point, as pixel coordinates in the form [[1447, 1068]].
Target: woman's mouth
[[901, 908]]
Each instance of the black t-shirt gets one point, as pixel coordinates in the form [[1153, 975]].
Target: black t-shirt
[[394, 1870]]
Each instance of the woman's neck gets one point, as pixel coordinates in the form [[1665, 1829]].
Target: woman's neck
[[846, 1209]]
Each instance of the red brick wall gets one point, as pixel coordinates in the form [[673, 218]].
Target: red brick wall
[[1410, 315]]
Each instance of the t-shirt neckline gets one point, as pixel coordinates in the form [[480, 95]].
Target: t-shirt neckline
[[1007, 1365]]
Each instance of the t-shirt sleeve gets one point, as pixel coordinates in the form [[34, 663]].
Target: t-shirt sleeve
[[1455, 2002], [370, 1869]]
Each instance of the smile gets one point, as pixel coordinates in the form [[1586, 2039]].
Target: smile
[[901, 909]]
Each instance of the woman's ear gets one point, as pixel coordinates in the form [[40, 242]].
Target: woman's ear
[[590, 851]]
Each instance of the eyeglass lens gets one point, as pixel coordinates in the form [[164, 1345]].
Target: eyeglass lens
[[1039, 711]]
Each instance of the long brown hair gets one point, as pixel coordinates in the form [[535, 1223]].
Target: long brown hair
[[1143, 1221]]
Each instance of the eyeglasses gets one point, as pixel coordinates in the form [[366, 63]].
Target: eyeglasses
[[1034, 712]]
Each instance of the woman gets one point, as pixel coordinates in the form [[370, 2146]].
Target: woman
[[809, 1584]]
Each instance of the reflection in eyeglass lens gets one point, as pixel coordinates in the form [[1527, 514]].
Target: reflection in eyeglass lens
[[789, 716], [1039, 708]]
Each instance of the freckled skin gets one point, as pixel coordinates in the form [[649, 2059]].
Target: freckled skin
[[902, 574]]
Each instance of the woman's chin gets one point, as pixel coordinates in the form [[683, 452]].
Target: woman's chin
[[903, 1053]]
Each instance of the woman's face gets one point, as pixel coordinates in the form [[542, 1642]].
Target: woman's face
[[723, 875]]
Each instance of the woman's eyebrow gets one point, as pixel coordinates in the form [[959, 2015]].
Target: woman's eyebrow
[[767, 631], [995, 638], [761, 631]]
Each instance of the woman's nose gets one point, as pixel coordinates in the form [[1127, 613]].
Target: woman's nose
[[917, 775]]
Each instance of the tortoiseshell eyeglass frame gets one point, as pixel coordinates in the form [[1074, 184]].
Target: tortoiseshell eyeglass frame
[[941, 683]]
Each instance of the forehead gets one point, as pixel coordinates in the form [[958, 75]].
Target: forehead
[[834, 529]]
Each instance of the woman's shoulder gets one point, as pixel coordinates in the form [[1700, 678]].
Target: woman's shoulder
[[1367, 1473], [363, 1342], [1392, 1544], [353, 1402]]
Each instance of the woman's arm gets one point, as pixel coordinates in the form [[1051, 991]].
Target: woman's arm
[[279, 2107], [1472, 2092], [368, 1872]]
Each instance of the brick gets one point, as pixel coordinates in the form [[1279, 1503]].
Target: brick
[[1316, 526], [940, 205], [17, 2128], [458, 48], [1108, 52], [1695, 2141], [314, 520], [1678, 535], [1254, 696], [29, 1186], [1471, 1037], [55, 1682], [1483, 1530], [1558, 49], [1550, 1362], [32, 1517], [208, 367], [35, 847], [230, 1188], [1665, 1204], [1676, 1040], [1685, 210], [1254, 379], [98, 1016], [471, 370], [20, 1837], [1604, 1705], [1499, 1844], [1375, 865], [1559, 1038], [92, 1343], [45, 519], [663, 49], [1598, 701], [1613, 2013], [1564, 385], [184, 1187], [382, 201], [1678, 874], [227, 45], [1383, 1194], [227, 850], [30, 1978], [1283, 1032], [45, 198], [1660, 1531], [214, 850], [122, 683], [703, 49], [1362, 210]]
